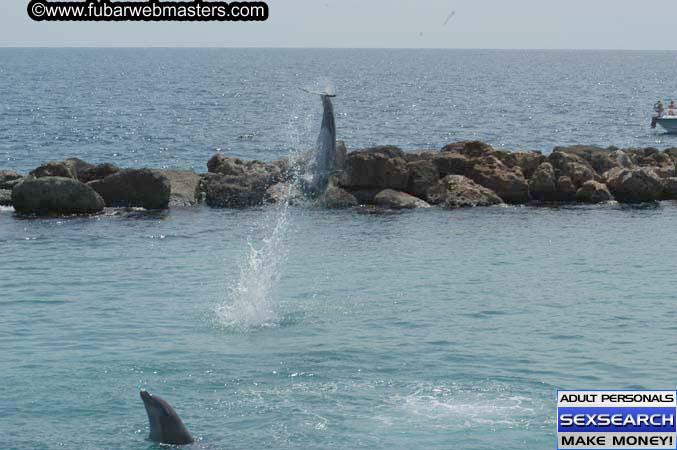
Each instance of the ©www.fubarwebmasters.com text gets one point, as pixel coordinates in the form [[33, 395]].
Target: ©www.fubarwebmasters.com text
[[153, 10]]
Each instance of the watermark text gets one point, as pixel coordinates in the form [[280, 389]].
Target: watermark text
[[152, 10]]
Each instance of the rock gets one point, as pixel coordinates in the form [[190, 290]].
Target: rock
[[5, 197], [283, 191], [597, 158], [572, 166], [219, 159], [638, 155], [97, 172], [6, 176], [601, 162], [77, 166], [55, 195], [620, 159], [593, 192], [53, 169], [184, 186], [579, 173], [391, 199], [566, 190], [662, 159], [581, 151], [9, 185], [288, 167], [389, 151], [509, 184], [454, 147], [420, 155], [229, 165], [606, 176], [69, 168], [341, 156], [335, 197], [451, 163], [670, 188], [660, 162], [672, 153], [423, 175], [230, 191], [457, 191], [527, 161], [663, 171], [635, 185], [470, 149], [377, 168], [543, 184], [146, 188], [460, 191], [365, 196], [650, 157]]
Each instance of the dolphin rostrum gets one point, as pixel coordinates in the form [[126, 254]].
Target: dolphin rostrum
[[325, 156], [166, 426]]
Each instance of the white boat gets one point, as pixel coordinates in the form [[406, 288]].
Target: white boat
[[668, 122], [667, 119]]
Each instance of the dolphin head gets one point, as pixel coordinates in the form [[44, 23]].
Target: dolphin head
[[166, 426]]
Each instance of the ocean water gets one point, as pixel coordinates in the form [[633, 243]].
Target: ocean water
[[175, 108], [296, 327]]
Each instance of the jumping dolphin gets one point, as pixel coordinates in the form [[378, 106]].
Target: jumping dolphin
[[166, 426], [325, 156]]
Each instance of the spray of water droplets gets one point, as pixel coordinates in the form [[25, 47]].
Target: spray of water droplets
[[251, 301]]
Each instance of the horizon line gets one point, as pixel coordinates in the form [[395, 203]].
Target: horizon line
[[322, 48]]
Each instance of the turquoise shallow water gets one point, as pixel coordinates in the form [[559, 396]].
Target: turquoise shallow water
[[311, 329], [431, 329]]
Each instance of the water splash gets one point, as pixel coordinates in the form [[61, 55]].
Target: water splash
[[251, 301]]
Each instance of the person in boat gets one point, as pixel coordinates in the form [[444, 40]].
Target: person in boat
[[658, 107], [672, 108]]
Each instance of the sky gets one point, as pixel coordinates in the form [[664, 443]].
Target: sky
[[518, 24]]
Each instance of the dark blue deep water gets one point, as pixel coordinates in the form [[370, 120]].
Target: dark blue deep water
[[174, 108], [295, 327]]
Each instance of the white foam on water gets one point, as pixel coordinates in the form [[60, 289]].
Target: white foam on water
[[468, 411], [6, 208], [452, 409]]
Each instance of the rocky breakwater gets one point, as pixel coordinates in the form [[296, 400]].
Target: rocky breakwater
[[235, 183], [75, 187], [461, 174], [472, 173], [481, 175]]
